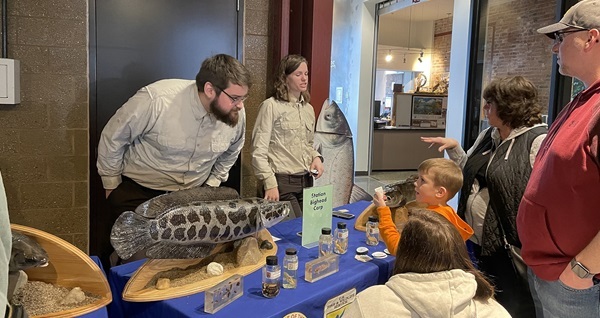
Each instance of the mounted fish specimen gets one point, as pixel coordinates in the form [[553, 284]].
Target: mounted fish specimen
[[193, 230], [333, 140], [399, 193], [67, 268], [400, 198], [157, 205], [26, 253]]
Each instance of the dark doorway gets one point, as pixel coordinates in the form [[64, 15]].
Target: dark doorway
[[136, 42]]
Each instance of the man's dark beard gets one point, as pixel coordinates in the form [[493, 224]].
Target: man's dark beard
[[230, 118]]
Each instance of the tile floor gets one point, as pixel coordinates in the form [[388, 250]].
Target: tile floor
[[380, 178]]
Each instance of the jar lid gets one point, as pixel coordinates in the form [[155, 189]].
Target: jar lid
[[290, 251], [373, 218], [341, 225], [362, 250], [379, 255], [272, 260], [326, 231]]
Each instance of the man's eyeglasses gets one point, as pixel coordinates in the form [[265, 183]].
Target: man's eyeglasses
[[234, 100], [559, 36]]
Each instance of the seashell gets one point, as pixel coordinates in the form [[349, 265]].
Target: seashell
[[214, 269], [163, 283]]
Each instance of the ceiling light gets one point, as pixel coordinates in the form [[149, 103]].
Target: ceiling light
[[388, 57]]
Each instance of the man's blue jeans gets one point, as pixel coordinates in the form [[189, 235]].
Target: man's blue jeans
[[553, 299]]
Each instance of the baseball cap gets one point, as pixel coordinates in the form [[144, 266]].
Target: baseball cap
[[583, 15]]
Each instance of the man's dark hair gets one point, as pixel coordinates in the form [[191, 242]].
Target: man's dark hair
[[222, 70]]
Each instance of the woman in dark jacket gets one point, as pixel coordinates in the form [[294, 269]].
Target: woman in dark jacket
[[496, 170]]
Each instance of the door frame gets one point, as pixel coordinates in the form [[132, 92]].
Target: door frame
[[97, 200]]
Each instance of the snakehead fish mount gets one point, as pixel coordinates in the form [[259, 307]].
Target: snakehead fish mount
[[193, 230], [157, 205], [26, 253]]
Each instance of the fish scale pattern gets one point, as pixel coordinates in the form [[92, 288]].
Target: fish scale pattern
[[192, 230], [214, 221]]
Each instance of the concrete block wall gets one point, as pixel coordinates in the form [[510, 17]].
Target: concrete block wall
[[256, 55], [44, 140], [44, 143]]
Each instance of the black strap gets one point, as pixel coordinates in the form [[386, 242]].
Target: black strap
[[519, 269]]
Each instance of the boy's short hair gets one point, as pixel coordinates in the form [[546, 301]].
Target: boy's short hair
[[445, 173]]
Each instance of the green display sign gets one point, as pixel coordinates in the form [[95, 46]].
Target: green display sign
[[316, 213]]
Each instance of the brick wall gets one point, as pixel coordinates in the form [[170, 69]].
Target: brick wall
[[513, 47], [440, 59]]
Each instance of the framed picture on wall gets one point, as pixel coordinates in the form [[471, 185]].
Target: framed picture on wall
[[429, 111]]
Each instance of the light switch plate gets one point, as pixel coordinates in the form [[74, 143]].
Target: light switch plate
[[10, 81]]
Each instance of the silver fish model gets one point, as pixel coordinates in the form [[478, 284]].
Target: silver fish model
[[193, 230], [333, 140], [26, 253], [401, 192], [159, 204]]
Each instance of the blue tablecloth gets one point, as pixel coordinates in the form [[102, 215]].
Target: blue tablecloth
[[308, 298], [102, 312]]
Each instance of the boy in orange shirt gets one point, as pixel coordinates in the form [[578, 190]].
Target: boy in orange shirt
[[439, 181]]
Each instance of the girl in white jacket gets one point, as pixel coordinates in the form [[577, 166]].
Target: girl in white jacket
[[433, 277]]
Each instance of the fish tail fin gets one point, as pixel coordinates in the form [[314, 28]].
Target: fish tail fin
[[130, 234], [359, 194]]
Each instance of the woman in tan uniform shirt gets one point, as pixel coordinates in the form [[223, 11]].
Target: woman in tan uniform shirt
[[283, 156]]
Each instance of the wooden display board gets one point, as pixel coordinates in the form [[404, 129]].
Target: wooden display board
[[68, 267], [136, 289]]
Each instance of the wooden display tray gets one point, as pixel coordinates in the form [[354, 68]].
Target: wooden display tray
[[136, 290], [399, 214], [68, 267]]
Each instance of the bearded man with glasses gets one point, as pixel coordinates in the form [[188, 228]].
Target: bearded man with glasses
[[175, 134], [558, 220]]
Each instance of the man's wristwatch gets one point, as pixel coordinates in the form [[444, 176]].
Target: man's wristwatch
[[580, 270]]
